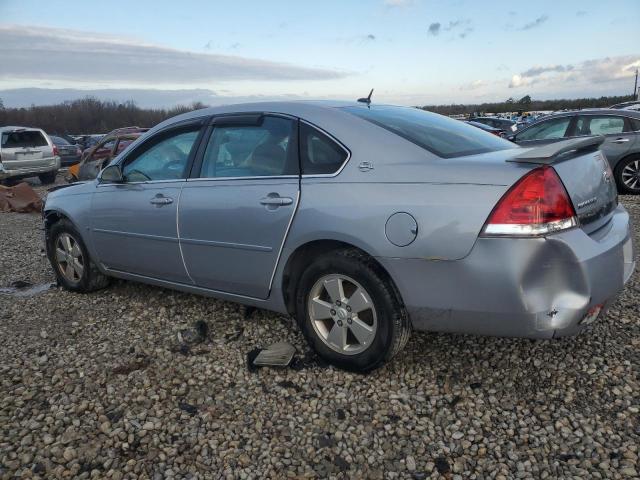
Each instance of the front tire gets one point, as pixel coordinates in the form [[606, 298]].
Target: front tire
[[349, 311], [627, 175], [69, 257]]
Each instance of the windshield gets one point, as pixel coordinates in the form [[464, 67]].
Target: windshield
[[439, 134]]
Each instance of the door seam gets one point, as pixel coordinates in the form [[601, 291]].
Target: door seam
[[184, 264]]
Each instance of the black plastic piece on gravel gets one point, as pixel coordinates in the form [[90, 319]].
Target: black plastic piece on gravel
[[187, 407], [442, 465]]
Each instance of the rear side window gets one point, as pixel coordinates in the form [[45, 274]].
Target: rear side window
[[599, 125], [550, 129], [30, 138], [635, 124], [264, 150], [319, 154], [436, 133]]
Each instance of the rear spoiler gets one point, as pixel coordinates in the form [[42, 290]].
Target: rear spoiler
[[548, 154]]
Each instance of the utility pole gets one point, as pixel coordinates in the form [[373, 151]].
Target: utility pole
[[635, 87]]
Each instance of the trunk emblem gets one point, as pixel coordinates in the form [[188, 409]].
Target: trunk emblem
[[588, 202]]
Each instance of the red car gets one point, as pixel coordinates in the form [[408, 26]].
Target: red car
[[97, 157]]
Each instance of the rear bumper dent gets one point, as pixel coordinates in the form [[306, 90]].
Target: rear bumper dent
[[520, 287]]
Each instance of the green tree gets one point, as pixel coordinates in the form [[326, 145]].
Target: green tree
[[526, 100]]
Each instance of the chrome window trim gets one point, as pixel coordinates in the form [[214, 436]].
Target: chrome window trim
[[255, 177], [147, 182], [338, 142]]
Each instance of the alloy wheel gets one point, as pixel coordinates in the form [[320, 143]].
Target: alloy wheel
[[631, 175], [69, 258], [342, 314]]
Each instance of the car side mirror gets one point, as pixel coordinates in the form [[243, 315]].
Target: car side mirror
[[112, 174], [511, 138]]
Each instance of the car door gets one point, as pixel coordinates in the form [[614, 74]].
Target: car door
[[236, 209], [616, 129], [134, 223], [547, 131]]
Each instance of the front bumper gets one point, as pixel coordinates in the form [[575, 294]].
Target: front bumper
[[28, 171], [527, 287]]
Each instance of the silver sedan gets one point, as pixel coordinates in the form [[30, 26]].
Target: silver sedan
[[362, 221]]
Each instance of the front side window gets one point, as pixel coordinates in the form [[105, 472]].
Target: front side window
[[599, 125], [164, 160], [547, 130], [319, 154], [441, 135], [261, 150]]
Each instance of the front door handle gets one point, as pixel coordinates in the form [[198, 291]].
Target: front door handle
[[620, 140], [276, 201], [160, 200]]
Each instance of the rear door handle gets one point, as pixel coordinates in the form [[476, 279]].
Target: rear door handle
[[621, 140], [161, 200], [276, 201]]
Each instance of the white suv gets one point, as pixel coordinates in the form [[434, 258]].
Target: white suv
[[27, 152]]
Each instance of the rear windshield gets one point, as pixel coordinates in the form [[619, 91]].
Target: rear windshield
[[439, 134], [22, 139], [59, 140]]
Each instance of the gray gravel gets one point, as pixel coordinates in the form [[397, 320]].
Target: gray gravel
[[94, 386]]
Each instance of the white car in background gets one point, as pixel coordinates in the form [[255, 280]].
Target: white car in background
[[27, 152]]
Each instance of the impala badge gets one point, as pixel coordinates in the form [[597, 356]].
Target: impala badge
[[588, 202]]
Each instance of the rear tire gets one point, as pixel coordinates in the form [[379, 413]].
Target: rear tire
[[47, 178], [69, 257], [627, 175], [364, 329]]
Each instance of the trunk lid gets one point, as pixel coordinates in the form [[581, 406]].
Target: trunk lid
[[586, 175]]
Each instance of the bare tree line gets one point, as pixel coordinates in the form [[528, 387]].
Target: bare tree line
[[88, 115], [527, 104]]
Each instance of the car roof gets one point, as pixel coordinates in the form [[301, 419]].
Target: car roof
[[594, 111], [300, 108], [14, 128]]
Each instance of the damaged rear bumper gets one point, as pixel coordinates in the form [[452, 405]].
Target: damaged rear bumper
[[525, 287], [29, 170]]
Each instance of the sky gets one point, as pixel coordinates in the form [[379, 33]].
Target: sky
[[413, 52]]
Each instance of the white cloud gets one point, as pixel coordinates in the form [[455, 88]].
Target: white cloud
[[59, 55], [608, 70]]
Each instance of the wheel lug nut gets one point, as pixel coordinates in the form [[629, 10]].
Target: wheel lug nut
[[339, 323], [349, 320], [338, 303], [348, 308], [333, 312]]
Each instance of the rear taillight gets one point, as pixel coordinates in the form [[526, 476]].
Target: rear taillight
[[55, 151], [537, 204]]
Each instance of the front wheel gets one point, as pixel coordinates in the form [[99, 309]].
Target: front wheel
[[627, 174], [349, 311], [70, 260]]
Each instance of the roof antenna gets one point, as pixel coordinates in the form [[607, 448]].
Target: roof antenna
[[366, 100]]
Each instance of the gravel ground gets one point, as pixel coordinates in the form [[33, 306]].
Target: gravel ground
[[94, 386]]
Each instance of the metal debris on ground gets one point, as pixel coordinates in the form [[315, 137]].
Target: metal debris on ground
[[21, 288], [277, 355], [194, 335], [20, 198]]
